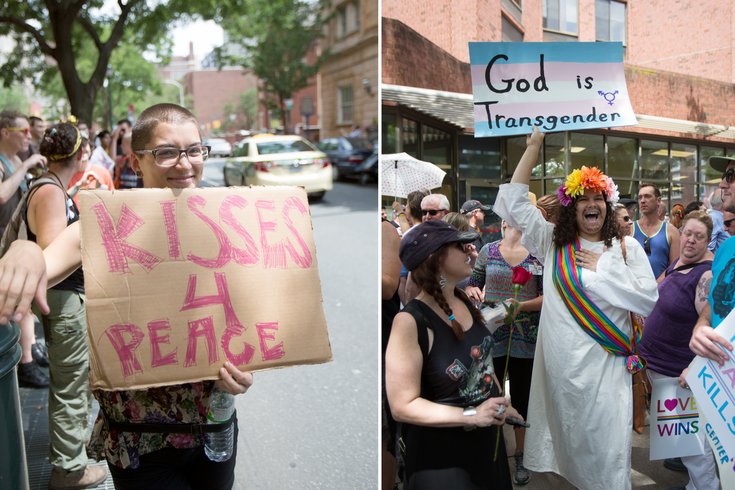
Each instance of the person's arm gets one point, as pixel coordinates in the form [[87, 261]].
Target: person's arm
[[522, 174], [705, 341], [476, 282], [234, 381], [390, 263], [47, 213], [701, 295], [22, 277], [10, 186], [674, 241], [63, 255], [404, 362]]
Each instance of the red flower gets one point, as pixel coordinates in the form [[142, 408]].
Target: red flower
[[520, 276]]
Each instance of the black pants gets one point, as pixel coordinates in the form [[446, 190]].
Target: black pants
[[177, 469], [519, 374]]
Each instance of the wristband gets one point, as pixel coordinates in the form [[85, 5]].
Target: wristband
[[469, 412]]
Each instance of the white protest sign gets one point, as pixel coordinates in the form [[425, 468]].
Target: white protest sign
[[714, 388], [675, 427], [724, 461], [554, 86]]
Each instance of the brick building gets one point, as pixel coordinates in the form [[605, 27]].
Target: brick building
[[679, 67], [349, 78], [211, 91]]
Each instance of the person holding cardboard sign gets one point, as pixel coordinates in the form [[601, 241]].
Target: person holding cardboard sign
[[580, 408], [151, 438]]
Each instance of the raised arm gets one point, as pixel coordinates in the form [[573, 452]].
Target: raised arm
[[522, 174]]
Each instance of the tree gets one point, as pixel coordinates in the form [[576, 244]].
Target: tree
[[277, 39], [45, 30]]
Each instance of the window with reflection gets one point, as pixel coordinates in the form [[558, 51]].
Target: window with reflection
[[627, 188], [514, 149], [622, 157], [683, 165], [410, 137], [610, 20], [552, 185], [682, 193], [437, 147], [654, 160], [555, 151], [479, 158], [388, 143], [510, 32], [586, 149], [561, 15], [707, 174]]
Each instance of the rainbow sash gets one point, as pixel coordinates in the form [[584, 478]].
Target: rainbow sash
[[568, 281]]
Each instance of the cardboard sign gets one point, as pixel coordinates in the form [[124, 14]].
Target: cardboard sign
[[554, 86], [180, 281], [714, 388], [675, 427]]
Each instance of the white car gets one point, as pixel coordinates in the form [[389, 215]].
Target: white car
[[267, 159], [219, 147]]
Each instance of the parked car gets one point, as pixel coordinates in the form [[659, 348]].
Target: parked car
[[368, 169], [219, 147], [267, 159], [346, 153]]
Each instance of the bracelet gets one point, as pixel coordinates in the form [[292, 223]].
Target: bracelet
[[469, 411]]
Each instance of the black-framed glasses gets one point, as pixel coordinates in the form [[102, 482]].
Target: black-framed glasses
[[431, 212], [729, 175], [647, 246], [168, 156]]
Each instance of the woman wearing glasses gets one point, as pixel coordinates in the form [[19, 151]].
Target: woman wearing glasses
[[625, 224], [168, 152]]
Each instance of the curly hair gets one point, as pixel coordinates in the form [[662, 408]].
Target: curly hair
[[566, 230], [425, 276], [61, 142]]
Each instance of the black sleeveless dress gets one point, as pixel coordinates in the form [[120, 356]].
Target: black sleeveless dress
[[455, 372]]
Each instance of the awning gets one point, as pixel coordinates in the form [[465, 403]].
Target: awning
[[457, 109]]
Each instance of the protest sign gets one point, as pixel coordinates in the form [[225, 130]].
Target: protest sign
[[725, 461], [675, 427], [178, 281], [714, 388], [554, 86]]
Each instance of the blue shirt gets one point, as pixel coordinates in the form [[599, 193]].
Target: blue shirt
[[722, 292], [659, 246]]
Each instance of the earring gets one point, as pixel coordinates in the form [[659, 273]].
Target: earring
[[138, 173], [442, 281]]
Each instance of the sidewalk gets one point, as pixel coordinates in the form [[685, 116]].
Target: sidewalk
[[34, 416], [645, 474]]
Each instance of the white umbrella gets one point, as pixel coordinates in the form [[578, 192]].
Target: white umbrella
[[400, 174]]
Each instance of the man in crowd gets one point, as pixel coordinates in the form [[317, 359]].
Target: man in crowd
[[475, 212], [660, 239], [719, 234], [434, 207], [728, 220], [38, 126]]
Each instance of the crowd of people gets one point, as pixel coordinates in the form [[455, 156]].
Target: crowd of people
[[150, 438], [607, 294]]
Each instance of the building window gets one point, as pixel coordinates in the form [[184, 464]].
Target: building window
[[610, 20], [511, 32], [561, 15], [348, 19], [344, 104]]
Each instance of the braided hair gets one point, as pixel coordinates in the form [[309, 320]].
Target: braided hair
[[426, 278]]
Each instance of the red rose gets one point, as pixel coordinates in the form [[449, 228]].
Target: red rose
[[520, 276]]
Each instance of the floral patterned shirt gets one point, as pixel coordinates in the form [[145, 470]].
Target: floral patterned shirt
[[494, 274], [179, 404]]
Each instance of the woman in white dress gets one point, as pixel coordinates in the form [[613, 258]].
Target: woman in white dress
[[580, 408]]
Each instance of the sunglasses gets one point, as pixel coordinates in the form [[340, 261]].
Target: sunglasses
[[27, 131], [431, 212], [647, 246], [728, 222], [626, 219], [729, 175]]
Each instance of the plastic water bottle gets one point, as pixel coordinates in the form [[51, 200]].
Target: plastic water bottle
[[218, 445]]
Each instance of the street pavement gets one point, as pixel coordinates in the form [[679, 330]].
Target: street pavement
[[306, 426]]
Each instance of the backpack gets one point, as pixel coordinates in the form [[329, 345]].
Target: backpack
[[17, 228]]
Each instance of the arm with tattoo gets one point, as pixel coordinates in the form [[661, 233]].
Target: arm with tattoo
[[702, 293]]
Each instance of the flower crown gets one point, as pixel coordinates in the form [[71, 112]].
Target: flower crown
[[587, 179]]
